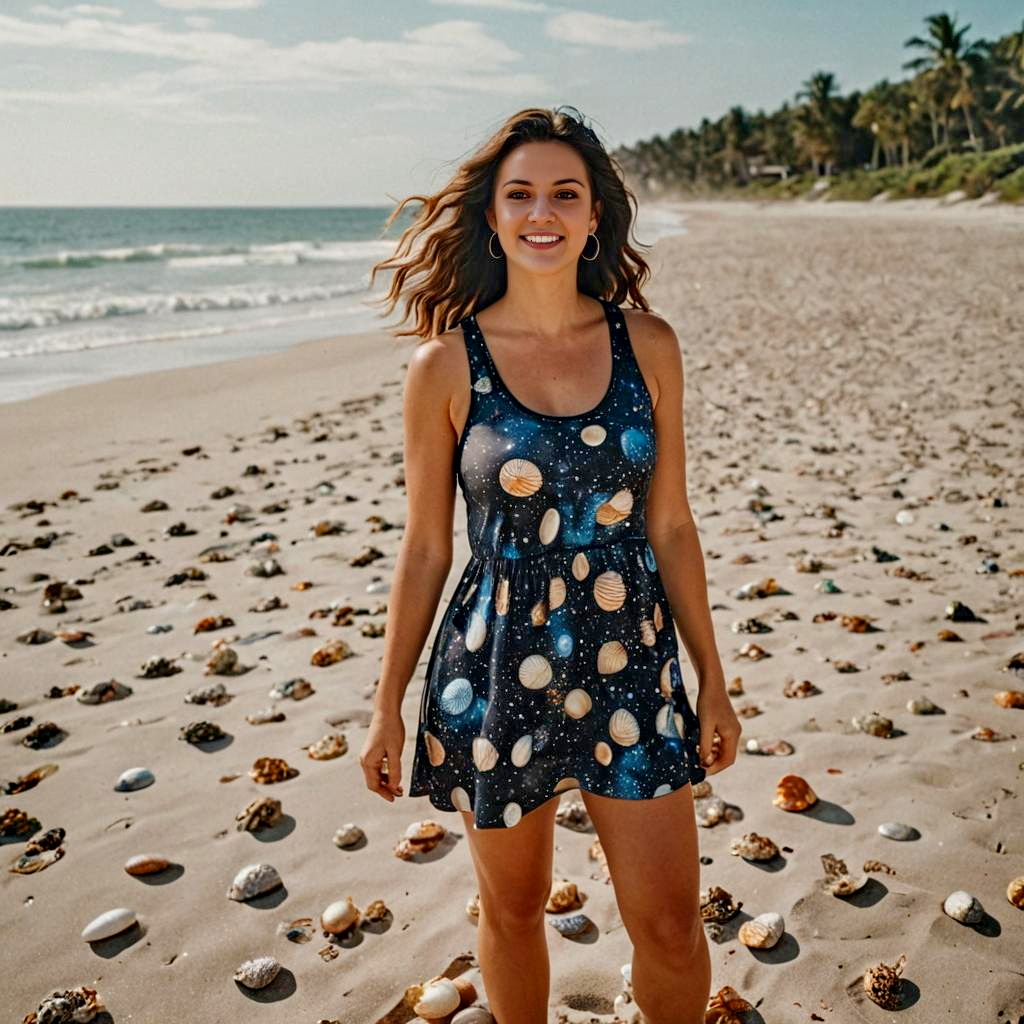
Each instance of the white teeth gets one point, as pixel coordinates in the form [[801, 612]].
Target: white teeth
[[542, 238]]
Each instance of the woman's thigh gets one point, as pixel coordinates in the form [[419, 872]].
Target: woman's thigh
[[651, 847], [513, 865]]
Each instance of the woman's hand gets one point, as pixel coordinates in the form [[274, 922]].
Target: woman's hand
[[719, 728], [381, 756]]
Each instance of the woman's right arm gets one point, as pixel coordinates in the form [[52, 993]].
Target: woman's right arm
[[424, 556]]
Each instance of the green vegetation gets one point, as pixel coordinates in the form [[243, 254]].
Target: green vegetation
[[957, 124]]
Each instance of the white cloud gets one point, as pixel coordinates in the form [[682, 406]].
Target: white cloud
[[588, 29], [198, 21], [211, 5], [498, 5], [76, 11]]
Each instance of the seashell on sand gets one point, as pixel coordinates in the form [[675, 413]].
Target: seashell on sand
[[610, 591], [146, 864], [838, 880], [882, 984], [134, 778], [111, 922], [571, 926], [485, 753], [348, 835], [268, 770], [922, 706], [549, 523], [473, 1015], [710, 810], [254, 880], [535, 672], [556, 593], [80, 1005], [338, 917], [580, 566], [898, 831], [763, 931], [420, 837], [793, 793], [476, 633], [1015, 891], [520, 478], [577, 703], [593, 434], [565, 896], [963, 907], [624, 728], [602, 753], [328, 747], [753, 847], [436, 998], [612, 657], [873, 724], [263, 812], [522, 750], [258, 972]]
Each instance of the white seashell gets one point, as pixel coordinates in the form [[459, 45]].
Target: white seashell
[[435, 749], [602, 753], [594, 434], [457, 696], [610, 591], [476, 633], [665, 679], [663, 790], [438, 998], [109, 923], [612, 657], [501, 597], [348, 835], [511, 814], [556, 593], [763, 932], [904, 517], [461, 799], [253, 880], [897, 830], [482, 385], [624, 728], [577, 703], [485, 753], [580, 566], [146, 864], [257, 973], [548, 529], [922, 706], [520, 478], [135, 778], [963, 907], [522, 750], [665, 722], [339, 916], [473, 1015], [535, 672], [648, 636], [754, 847]]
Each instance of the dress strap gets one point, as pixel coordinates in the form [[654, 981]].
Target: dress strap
[[479, 364]]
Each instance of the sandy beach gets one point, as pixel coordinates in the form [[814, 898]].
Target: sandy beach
[[853, 414]]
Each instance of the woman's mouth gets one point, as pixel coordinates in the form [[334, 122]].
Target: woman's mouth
[[541, 240]]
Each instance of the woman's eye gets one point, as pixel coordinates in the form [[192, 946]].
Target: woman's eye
[[563, 192]]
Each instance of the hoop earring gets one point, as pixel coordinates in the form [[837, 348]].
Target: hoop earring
[[590, 259], [494, 235]]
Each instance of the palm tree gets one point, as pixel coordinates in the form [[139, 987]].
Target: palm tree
[[1008, 54], [815, 124], [949, 68], [736, 129], [887, 111]]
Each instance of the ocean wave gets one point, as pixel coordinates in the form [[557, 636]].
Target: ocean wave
[[186, 255], [24, 314]]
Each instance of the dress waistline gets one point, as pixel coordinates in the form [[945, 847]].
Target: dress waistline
[[560, 555]]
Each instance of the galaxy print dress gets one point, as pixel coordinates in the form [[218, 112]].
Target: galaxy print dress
[[555, 666]]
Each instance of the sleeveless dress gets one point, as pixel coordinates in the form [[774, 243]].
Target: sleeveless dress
[[555, 665]]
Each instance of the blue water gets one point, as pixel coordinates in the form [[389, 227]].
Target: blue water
[[92, 293]]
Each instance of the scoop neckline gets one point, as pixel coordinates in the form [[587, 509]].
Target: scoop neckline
[[549, 416]]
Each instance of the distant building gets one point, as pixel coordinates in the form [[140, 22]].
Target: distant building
[[759, 169]]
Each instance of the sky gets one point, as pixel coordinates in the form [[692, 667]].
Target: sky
[[334, 102]]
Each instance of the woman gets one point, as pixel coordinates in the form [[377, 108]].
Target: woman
[[555, 667]]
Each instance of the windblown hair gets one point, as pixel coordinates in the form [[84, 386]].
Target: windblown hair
[[451, 273]]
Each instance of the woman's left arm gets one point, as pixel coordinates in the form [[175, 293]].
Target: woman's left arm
[[673, 537]]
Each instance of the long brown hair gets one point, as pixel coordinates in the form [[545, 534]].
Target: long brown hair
[[452, 274]]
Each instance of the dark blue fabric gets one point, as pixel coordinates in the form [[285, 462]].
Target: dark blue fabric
[[554, 504]]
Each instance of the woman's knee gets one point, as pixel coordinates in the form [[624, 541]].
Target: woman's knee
[[675, 934], [520, 909]]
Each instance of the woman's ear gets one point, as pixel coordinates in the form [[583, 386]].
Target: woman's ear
[[489, 217], [595, 215]]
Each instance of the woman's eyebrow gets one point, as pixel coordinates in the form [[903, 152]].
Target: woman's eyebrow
[[523, 181]]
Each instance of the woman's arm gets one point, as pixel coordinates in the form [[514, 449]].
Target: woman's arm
[[425, 554]]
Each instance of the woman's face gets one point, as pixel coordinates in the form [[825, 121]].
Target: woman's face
[[542, 189]]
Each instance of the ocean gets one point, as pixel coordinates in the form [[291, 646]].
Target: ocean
[[97, 292]]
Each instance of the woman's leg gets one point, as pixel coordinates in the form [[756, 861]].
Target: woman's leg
[[652, 853], [513, 870]]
